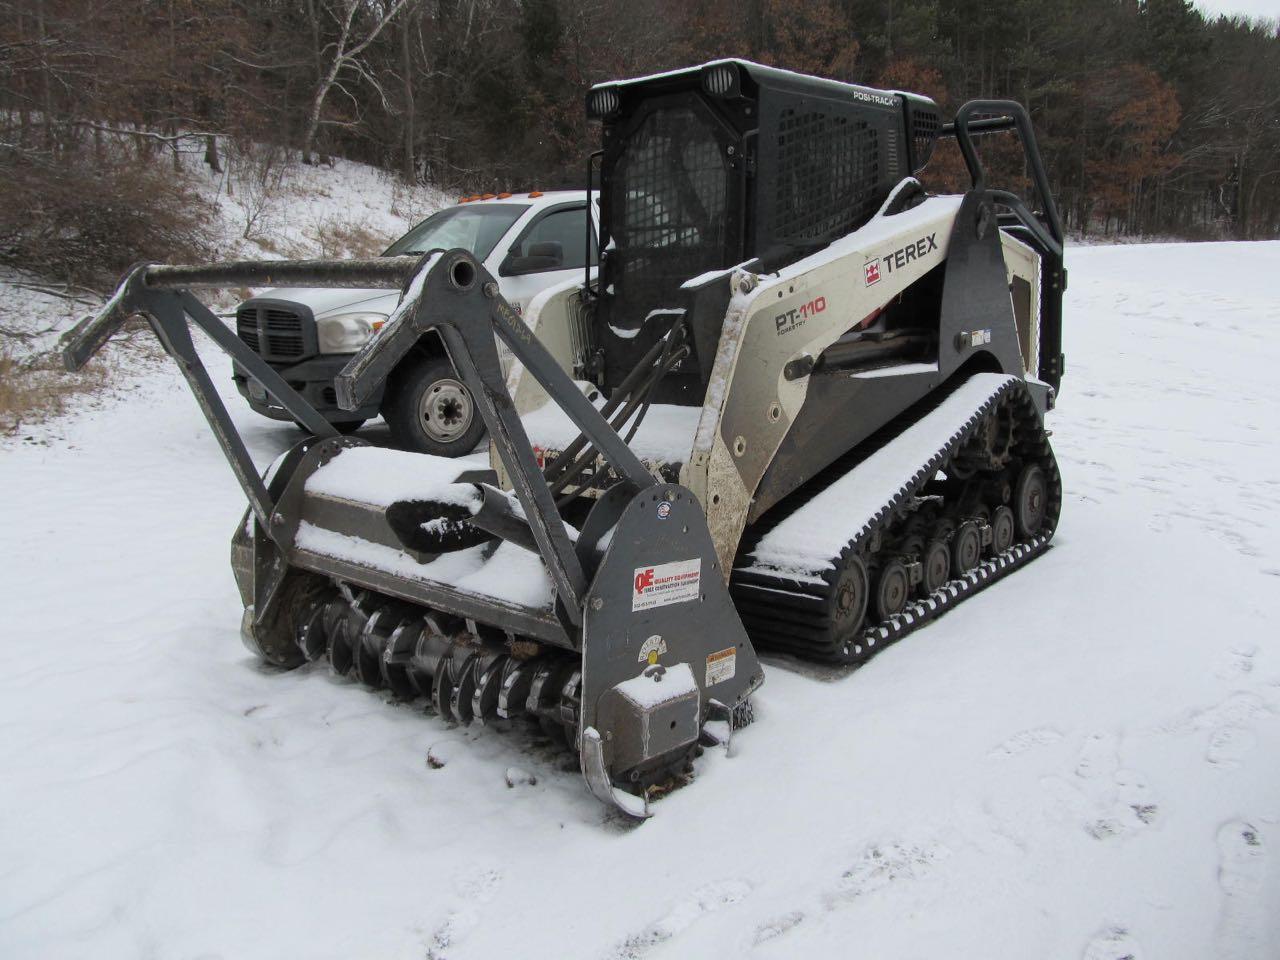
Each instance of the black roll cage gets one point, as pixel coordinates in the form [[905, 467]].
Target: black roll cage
[[1043, 231]]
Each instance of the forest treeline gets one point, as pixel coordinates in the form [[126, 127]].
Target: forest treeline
[[1153, 118]]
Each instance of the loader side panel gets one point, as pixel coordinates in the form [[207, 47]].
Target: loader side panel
[[975, 328]]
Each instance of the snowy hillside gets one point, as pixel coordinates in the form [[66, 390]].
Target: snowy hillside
[[263, 212], [1080, 762]]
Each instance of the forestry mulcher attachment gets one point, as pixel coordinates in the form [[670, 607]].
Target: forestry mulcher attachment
[[799, 407]]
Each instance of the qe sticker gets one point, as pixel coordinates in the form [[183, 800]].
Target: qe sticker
[[666, 583]]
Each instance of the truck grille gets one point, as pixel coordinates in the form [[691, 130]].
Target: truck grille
[[247, 327], [281, 329]]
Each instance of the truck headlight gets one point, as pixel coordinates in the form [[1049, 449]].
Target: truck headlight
[[347, 332]]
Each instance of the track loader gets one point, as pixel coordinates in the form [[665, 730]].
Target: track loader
[[799, 409]]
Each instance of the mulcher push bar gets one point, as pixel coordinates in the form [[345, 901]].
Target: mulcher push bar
[[467, 322], [381, 272]]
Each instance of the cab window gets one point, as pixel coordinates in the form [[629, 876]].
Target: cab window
[[476, 228], [565, 228]]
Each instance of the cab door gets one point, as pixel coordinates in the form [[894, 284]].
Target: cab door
[[551, 249]]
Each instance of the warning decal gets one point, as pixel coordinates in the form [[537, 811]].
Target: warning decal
[[721, 665], [666, 583]]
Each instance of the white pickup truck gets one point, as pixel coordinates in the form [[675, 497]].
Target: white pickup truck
[[528, 241]]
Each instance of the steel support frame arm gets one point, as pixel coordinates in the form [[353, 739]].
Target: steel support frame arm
[[168, 312], [451, 293], [454, 295]]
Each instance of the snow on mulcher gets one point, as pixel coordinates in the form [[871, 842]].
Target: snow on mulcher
[[841, 382]]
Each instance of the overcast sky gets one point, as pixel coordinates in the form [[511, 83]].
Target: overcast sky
[[1249, 8]]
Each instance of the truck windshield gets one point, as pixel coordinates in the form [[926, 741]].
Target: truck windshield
[[477, 228]]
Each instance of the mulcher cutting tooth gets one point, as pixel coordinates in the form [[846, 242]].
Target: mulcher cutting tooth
[[442, 691], [397, 658], [484, 701], [370, 648], [343, 638], [546, 681], [430, 653], [513, 695], [464, 689], [570, 700], [311, 637]]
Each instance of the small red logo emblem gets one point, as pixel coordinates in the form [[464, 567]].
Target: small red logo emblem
[[872, 270], [644, 579]]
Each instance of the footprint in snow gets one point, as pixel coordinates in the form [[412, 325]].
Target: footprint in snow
[[1239, 662], [777, 927], [1023, 741], [706, 899], [1240, 709], [1125, 807], [1113, 943], [1109, 801], [882, 864], [1099, 757], [474, 891], [1242, 871], [1229, 745]]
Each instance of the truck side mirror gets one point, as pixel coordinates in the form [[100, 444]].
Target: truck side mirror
[[544, 255]]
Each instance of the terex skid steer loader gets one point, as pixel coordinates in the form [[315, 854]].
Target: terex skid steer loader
[[799, 408]]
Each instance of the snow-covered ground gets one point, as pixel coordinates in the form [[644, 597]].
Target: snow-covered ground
[[1081, 762]]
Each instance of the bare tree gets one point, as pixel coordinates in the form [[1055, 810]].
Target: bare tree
[[407, 167], [345, 57]]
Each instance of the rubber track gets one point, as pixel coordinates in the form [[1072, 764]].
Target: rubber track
[[789, 613]]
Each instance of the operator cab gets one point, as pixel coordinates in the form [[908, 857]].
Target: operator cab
[[704, 169]]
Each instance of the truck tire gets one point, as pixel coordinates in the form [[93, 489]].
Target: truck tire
[[430, 410]]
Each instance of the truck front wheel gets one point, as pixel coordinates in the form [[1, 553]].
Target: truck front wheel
[[430, 410]]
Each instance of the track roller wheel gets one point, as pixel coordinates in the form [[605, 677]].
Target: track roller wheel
[[1030, 500], [893, 589], [849, 599], [1002, 530], [936, 561], [966, 547]]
